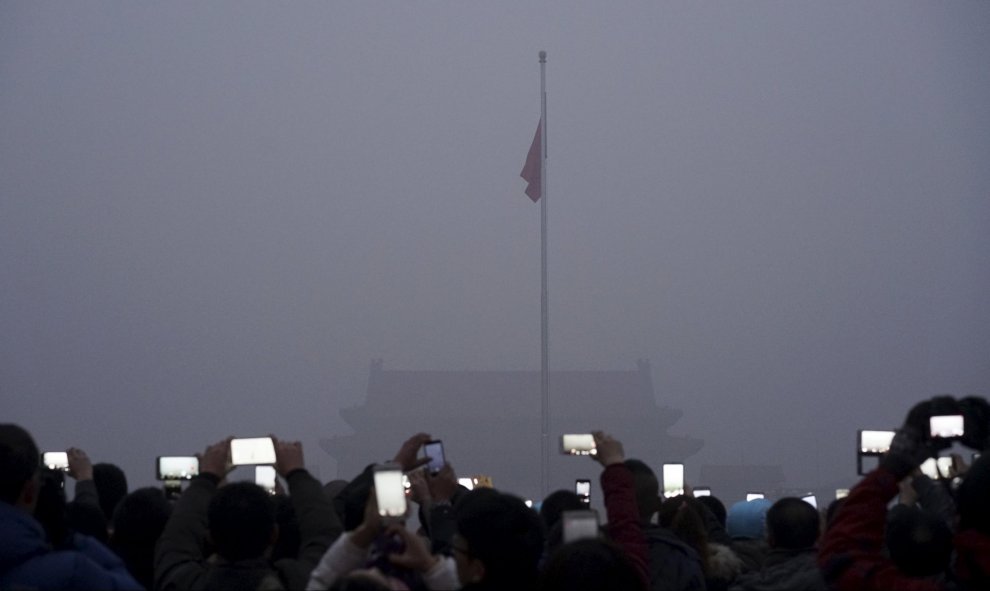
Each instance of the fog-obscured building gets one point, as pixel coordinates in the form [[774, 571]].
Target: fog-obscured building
[[490, 422]]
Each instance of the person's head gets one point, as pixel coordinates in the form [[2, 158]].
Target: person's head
[[746, 520], [85, 518], [19, 465], [792, 524], [289, 535], [111, 485], [920, 543], [589, 565], [647, 488], [137, 523], [973, 497], [715, 506], [680, 514], [499, 540], [556, 503], [832, 510], [242, 521]]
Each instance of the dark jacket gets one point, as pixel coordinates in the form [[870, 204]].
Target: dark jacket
[[784, 570], [674, 566], [26, 561], [181, 561]]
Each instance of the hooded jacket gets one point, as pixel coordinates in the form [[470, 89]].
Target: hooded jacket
[[27, 561]]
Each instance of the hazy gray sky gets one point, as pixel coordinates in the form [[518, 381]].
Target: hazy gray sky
[[214, 215]]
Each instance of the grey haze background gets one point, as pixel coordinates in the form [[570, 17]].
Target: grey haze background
[[214, 215]]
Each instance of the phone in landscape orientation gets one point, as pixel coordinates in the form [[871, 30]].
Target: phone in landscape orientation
[[702, 491], [264, 476], [841, 493], [578, 444], [811, 500], [946, 426], [467, 483], [752, 496], [389, 492], [582, 488], [579, 525], [56, 460], [434, 451], [252, 451], [176, 467], [673, 480], [873, 442]]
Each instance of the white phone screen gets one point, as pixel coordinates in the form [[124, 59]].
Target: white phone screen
[[252, 451]]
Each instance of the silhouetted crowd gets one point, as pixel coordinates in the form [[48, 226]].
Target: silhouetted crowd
[[897, 529]]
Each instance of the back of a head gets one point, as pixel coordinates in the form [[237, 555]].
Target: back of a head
[[111, 485], [19, 461], [973, 497], [503, 533], [647, 488], [716, 506], [241, 518], [681, 516], [556, 503], [138, 522], [792, 524], [746, 520], [920, 543], [590, 565]]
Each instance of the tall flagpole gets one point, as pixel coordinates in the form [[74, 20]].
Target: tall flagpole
[[544, 292]]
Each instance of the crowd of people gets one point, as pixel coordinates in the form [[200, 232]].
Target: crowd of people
[[897, 529]]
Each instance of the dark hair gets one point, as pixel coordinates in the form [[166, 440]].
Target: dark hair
[[832, 510], [504, 534], [138, 522], [19, 461], [556, 503], [241, 517], [793, 523], [289, 536], [111, 485], [647, 488], [682, 516], [920, 544], [85, 518], [973, 497], [716, 506], [590, 565]]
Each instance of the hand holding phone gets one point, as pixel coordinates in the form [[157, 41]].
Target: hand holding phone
[[434, 452]]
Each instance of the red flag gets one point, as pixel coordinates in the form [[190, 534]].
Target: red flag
[[532, 171]]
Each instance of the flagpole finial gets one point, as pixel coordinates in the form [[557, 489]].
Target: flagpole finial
[[543, 57]]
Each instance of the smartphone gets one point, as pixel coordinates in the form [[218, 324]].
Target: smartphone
[[702, 491], [434, 451], [811, 500], [176, 467], [937, 468], [752, 496], [574, 444], [252, 451], [946, 426], [582, 488], [389, 492], [673, 480], [579, 525], [56, 460], [264, 476], [874, 443], [841, 493], [467, 483]]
